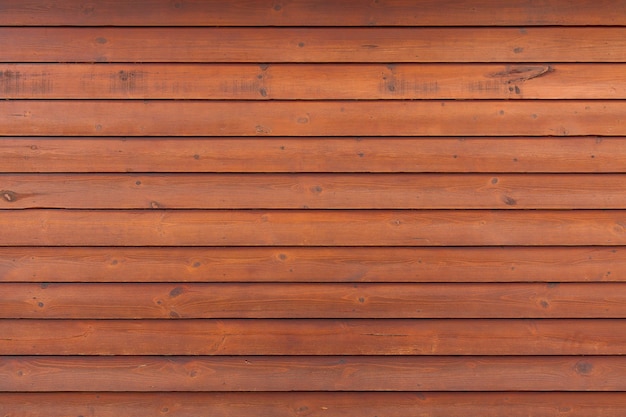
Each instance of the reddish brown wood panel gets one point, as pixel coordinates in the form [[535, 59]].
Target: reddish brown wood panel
[[318, 404], [307, 45], [312, 228], [203, 211], [310, 264], [330, 373], [332, 118], [316, 300], [312, 13], [312, 81], [314, 191], [313, 337], [361, 154]]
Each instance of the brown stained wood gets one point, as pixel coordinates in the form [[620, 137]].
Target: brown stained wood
[[314, 191], [386, 154], [306, 45], [302, 118], [313, 13], [253, 373], [204, 146], [292, 264], [318, 404], [327, 300], [312, 82], [313, 228], [313, 337]]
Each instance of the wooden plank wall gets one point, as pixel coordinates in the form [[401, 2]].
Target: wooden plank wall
[[313, 208]]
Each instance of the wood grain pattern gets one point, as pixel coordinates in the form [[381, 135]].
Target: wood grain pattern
[[318, 404], [304, 301], [312, 228], [360, 154], [313, 337], [379, 208], [310, 264], [332, 118], [314, 191], [312, 82], [333, 373], [305, 45], [313, 13]]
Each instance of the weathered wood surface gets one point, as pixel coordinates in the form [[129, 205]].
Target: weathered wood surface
[[315, 300], [329, 373], [413, 196], [313, 191], [312, 228], [360, 154], [313, 337], [313, 82], [312, 13], [306, 45], [311, 264], [318, 404], [320, 118]]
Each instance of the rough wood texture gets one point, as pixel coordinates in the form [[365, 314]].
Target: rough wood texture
[[319, 404], [307, 45], [327, 300], [313, 337], [330, 373], [312, 228], [313, 191], [309, 264], [332, 118], [381, 208], [312, 81], [361, 154], [312, 13]]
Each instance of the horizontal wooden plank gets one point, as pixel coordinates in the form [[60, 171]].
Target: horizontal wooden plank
[[312, 228], [304, 301], [334, 373], [314, 337], [312, 82], [302, 118], [315, 191], [317, 404], [268, 45], [292, 264], [387, 154], [311, 13]]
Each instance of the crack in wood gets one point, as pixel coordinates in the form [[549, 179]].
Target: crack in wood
[[516, 74]]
